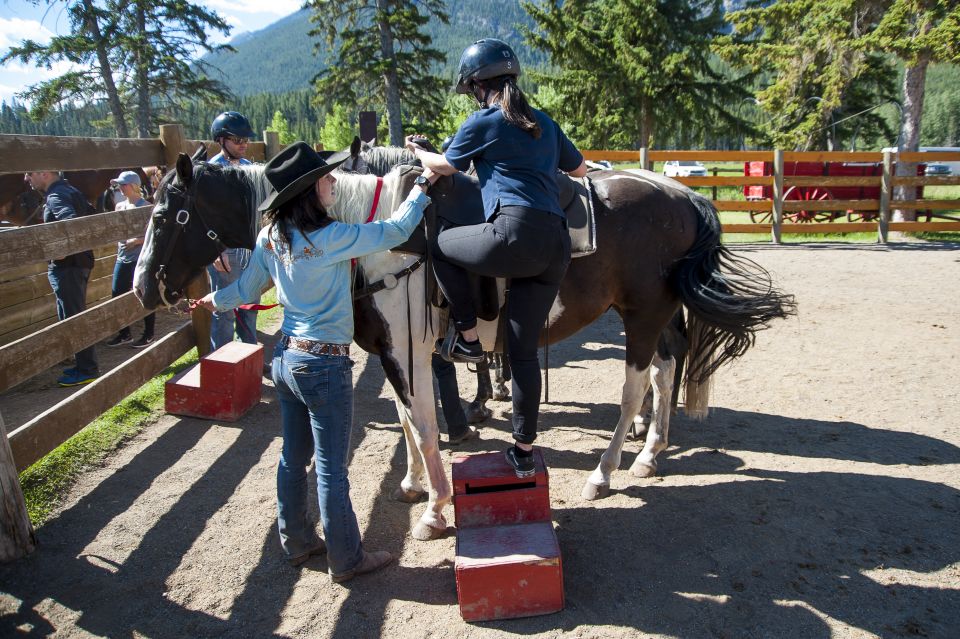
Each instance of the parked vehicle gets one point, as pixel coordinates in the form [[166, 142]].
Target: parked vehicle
[[684, 168], [937, 168]]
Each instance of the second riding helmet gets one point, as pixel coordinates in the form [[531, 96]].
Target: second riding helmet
[[485, 59], [231, 123]]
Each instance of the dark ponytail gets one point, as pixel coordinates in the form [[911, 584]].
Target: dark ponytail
[[304, 213], [516, 110]]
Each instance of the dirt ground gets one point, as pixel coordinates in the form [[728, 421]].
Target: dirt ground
[[819, 499]]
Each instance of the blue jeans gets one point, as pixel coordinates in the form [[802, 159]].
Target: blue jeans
[[316, 409], [69, 284], [122, 283], [222, 324], [453, 414]]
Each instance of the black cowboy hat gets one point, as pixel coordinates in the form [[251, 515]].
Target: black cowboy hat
[[295, 169]]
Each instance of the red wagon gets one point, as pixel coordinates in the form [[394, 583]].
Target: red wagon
[[814, 194]]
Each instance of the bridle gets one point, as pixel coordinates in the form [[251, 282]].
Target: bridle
[[181, 220]]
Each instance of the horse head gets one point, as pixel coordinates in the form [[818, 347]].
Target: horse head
[[200, 210], [20, 204]]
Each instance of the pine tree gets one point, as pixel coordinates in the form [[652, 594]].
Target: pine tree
[[383, 60], [632, 72]]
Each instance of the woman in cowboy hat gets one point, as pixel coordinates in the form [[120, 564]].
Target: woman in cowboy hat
[[307, 256]]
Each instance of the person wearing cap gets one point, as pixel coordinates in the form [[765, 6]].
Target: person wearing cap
[[232, 131], [306, 255], [128, 251], [516, 151], [68, 276]]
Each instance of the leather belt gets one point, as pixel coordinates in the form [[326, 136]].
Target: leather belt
[[317, 348]]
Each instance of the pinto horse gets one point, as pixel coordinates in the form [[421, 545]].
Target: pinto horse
[[659, 247]]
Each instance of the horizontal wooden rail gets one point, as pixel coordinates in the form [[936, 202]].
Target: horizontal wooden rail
[[926, 205], [916, 227], [712, 156], [26, 357], [747, 228], [831, 180], [926, 180], [58, 239], [719, 180], [23, 153], [824, 228], [30, 287], [36, 310], [832, 156], [831, 205], [743, 205], [930, 156], [56, 425]]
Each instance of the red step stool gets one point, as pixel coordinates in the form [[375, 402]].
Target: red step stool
[[486, 492], [223, 386], [508, 559]]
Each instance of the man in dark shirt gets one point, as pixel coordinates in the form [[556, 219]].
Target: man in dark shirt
[[68, 276]]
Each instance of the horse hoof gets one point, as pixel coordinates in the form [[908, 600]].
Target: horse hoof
[[592, 491], [477, 415], [643, 470], [501, 394], [407, 496], [423, 532]]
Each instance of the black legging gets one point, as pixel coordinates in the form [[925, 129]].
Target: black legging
[[532, 248]]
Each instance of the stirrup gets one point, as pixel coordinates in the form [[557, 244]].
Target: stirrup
[[445, 347]]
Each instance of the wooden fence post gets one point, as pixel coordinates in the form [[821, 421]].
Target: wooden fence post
[[886, 191], [777, 195], [272, 145], [16, 531], [645, 158], [175, 142]]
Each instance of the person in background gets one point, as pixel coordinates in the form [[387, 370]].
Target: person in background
[[68, 276], [516, 151], [307, 256], [232, 131], [128, 251]]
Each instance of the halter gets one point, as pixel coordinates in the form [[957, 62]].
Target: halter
[[181, 220]]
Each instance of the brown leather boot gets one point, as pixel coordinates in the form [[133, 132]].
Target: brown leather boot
[[372, 561]]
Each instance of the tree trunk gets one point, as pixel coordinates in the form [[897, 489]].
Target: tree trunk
[[142, 63], [106, 70], [391, 83], [16, 531], [914, 80]]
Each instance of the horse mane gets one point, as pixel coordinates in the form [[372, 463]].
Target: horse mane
[[355, 194], [381, 159]]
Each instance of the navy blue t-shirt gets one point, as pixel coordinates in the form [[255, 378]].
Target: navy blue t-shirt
[[512, 166]]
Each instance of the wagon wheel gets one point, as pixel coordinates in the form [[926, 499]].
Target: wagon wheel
[[761, 217], [809, 194], [862, 216]]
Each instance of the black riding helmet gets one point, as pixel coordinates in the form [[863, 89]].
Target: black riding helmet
[[485, 59], [231, 123]]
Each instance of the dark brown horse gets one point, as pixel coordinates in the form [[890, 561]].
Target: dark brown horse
[[658, 247]]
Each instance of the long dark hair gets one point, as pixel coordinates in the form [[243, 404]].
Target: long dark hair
[[304, 213], [516, 110]]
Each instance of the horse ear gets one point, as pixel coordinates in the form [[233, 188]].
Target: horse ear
[[200, 155], [355, 146], [184, 169]]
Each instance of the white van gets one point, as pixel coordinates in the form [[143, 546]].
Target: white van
[[939, 167]]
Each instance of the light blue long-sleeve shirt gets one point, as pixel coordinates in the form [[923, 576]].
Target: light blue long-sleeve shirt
[[313, 282]]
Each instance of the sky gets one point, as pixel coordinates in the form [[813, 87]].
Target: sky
[[21, 20]]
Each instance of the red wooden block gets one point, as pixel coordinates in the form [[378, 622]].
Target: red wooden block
[[223, 386], [486, 492], [505, 572]]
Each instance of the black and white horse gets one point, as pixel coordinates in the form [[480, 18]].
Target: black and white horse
[[659, 248]]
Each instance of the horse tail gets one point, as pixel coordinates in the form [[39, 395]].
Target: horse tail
[[729, 298]]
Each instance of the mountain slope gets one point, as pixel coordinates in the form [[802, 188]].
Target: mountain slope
[[281, 57]]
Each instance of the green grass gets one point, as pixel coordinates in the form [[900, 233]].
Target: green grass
[[46, 482]]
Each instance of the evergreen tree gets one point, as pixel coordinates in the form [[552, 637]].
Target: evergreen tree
[[384, 58], [338, 130], [633, 72]]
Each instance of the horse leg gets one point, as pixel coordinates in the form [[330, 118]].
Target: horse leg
[[410, 490], [477, 410], [661, 374], [501, 392], [635, 384]]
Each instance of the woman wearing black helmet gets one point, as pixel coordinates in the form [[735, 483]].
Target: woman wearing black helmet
[[516, 151]]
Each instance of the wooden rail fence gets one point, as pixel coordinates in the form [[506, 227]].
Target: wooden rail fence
[[776, 206], [36, 341]]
